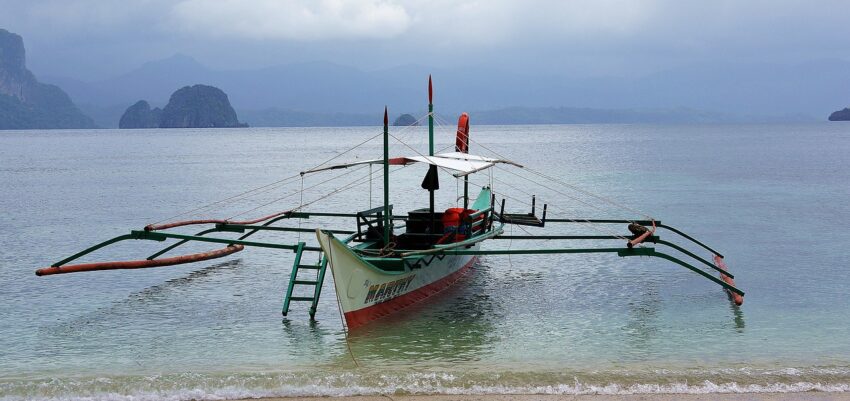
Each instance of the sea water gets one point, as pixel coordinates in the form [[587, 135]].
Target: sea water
[[774, 199]]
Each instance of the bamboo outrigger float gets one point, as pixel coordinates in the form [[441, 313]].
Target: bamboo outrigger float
[[378, 270]]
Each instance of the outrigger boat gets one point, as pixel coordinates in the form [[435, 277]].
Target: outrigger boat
[[378, 269]]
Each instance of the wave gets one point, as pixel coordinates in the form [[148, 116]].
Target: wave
[[197, 386]]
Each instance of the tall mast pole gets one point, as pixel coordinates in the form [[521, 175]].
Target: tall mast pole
[[431, 148], [387, 217], [430, 118]]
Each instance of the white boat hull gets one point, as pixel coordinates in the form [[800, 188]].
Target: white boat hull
[[367, 293]]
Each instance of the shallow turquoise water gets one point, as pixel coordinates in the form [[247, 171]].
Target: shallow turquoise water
[[773, 198]]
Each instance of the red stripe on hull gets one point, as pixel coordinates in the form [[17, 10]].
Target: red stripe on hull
[[365, 315]]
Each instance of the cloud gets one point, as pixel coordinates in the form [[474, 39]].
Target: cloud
[[300, 20], [585, 37], [62, 16]]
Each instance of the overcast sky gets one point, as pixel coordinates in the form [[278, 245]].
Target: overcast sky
[[90, 39]]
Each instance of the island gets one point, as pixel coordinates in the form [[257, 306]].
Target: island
[[840, 115], [405, 120], [140, 115], [197, 106], [26, 103]]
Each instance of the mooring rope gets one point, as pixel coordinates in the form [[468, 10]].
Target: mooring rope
[[339, 306]]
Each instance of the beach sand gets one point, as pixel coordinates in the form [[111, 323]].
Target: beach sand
[[814, 396]]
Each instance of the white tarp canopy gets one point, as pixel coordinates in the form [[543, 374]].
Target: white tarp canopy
[[463, 167], [463, 163], [466, 156]]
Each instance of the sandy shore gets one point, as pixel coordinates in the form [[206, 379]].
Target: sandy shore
[[815, 396]]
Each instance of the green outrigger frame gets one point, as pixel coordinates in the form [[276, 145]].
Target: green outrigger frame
[[412, 257]]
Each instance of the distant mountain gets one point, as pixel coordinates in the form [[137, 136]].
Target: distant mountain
[[26, 103], [197, 106], [140, 115], [840, 115], [750, 92], [405, 120]]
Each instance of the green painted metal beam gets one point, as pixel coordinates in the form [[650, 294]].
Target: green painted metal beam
[[93, 248], [653, 238], [651, 252], [692, 239], [528, 251], [320, 281], [178, 243], [292, 276], [286, 229], [691, 254], [266, 224], [619, 251], [307, 215], [603, 221], [159, 236], [219, 228], [641, 222]]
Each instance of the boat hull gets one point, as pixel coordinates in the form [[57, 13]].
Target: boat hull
[[367, 293]]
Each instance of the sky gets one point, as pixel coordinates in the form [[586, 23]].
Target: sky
[[94, 39]]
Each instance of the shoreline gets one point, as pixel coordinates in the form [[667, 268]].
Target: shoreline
[[808, 395]]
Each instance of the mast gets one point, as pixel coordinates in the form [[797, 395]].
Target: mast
[[430, 118], [431, 148], [387, 217]]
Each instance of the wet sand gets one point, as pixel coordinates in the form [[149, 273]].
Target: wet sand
[[814, 396]]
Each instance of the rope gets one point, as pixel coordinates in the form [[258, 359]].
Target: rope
[[293, 193], [555, 190], [520, 201], [301, 205], [339, 306], [345, 187], [264, 188], [444, 169], [234, 197], [571, 186]]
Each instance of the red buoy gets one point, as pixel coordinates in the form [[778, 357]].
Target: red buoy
[[462, 141]]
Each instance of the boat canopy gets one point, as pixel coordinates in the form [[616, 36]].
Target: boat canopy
[[463, 163]]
